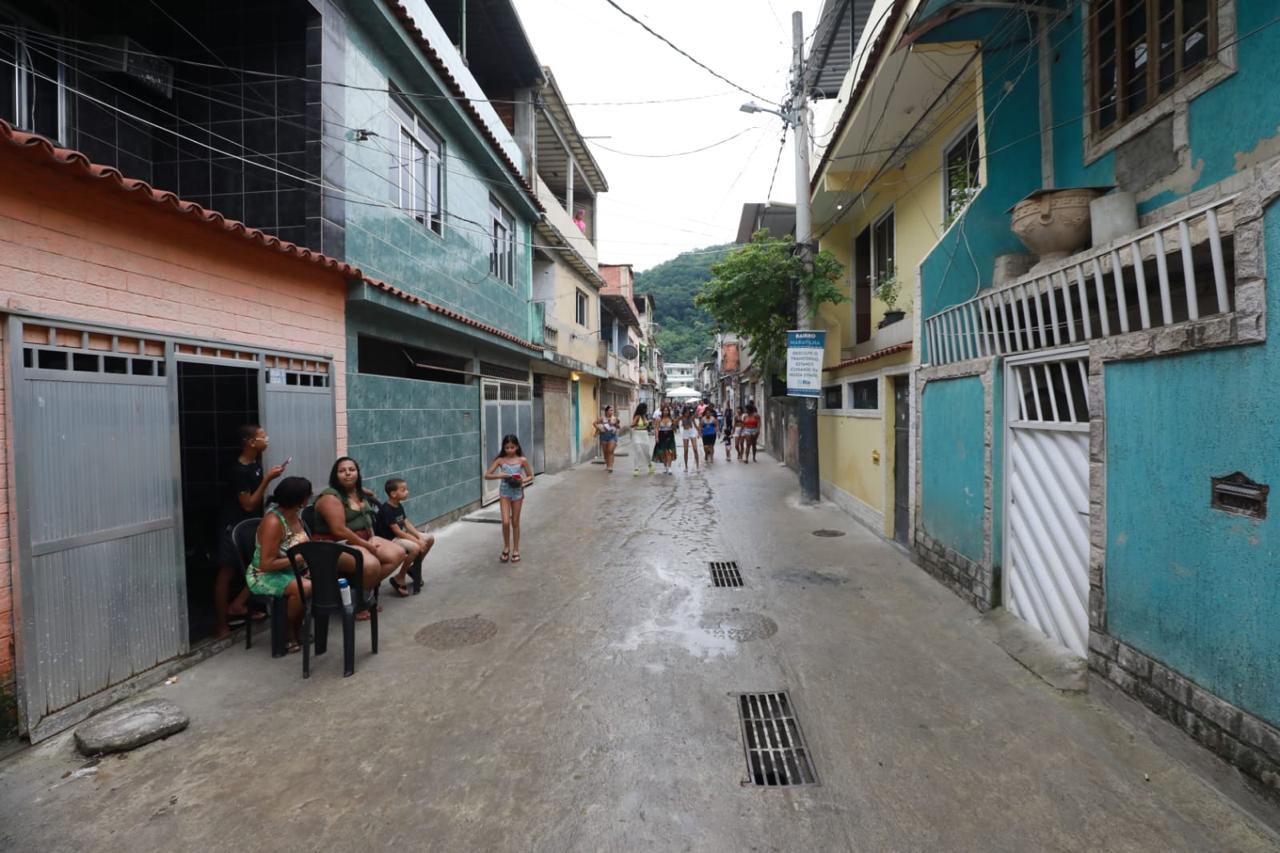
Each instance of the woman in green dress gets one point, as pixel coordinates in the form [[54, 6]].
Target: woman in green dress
[[344, 513], [281, 528]]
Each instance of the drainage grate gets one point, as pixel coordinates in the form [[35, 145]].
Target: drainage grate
[[777, 755], [725, 573], [828, 533]]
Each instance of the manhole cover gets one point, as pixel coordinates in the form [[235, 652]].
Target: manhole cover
[[725, 573], [777, 755], [738, 626], [828, 533], [454, 633]]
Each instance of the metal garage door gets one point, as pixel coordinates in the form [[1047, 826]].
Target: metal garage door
[[101, 587], [298, 414], [508, 408], [1047, 497]]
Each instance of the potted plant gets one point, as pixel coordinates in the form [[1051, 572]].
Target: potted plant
[[887, 289]]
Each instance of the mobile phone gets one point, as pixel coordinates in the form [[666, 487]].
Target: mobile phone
[[287, 461]]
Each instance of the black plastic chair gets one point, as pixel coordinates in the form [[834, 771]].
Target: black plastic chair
[[244, 536], [319, 561]]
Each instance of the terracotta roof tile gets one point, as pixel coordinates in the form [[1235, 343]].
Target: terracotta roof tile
[[40, 150], [862, 359]]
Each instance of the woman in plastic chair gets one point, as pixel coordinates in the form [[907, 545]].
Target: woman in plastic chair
[[280, 530], [344, 513]]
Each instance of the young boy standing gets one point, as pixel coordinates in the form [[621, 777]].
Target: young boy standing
[[392, 524]]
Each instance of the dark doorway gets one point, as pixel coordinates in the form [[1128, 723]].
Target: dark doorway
[[213, 402], [901, 458]]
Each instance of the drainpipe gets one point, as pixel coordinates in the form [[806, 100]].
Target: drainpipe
[[462, 29]]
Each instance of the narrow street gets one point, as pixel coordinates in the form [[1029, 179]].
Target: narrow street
[[595, 709]]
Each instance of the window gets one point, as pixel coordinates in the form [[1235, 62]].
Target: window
[[862, 287], [1141, 50], [417, 172], [960, 178], [882, 250], [32, 93], [580, 313], [502, 250], [833, 397], [865, 395]]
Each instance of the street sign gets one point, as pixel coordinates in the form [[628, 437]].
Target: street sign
[[804, 362]]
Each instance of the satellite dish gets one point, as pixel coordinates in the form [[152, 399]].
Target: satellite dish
[[629, 351]]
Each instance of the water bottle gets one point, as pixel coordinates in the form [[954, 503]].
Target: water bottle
[[344, 591]]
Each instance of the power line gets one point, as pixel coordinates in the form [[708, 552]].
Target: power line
[[679, 153], [707, 68], [782, 144]]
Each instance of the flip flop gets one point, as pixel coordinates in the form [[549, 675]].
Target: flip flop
[[515, 557], [505, 556], [401, 589]]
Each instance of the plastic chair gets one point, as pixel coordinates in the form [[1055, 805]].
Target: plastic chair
[[319, 560], [244, 536]]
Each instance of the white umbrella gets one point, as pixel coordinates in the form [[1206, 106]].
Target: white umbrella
[[683, 393]]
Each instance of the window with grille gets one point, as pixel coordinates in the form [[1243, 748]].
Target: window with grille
[[33, 96], [865, 395], [961, 180], [1141, 50], [417, 170], [502, 250], [833, 397]]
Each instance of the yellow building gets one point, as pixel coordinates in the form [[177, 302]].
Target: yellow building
[[903, 159]]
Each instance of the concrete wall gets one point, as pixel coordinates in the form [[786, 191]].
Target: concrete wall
[[590, 405], [70, 251], [558, 434], [952, 425]]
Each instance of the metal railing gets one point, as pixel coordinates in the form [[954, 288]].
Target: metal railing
[[1156, 276]]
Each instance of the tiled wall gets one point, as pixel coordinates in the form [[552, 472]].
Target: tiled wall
[[425, 432], [452, 269]]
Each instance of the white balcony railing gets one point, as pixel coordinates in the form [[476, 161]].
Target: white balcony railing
[[1156, 276]]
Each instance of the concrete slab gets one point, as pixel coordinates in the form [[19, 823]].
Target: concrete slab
[[129, 727], [581, 700], [1053, 664]]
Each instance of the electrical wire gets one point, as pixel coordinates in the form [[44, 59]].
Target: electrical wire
[[782, 144], [707, 68], [678, 153]]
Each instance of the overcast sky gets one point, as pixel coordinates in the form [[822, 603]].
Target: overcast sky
[[659, 207]]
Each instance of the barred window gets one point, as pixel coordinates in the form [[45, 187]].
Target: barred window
[[1141, 50]]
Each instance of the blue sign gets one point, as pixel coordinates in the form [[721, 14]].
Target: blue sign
[[804, 362]]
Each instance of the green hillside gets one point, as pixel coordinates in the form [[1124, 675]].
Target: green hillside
[[685, 330]]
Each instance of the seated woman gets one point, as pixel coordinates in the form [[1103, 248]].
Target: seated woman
[[345, 514], [270, 572]]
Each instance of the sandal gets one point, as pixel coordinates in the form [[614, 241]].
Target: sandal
[[505, 556], [515, 556], [292, 647], [402, 590]]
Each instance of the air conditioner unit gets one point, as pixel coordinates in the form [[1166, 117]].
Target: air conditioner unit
[[123, 54]]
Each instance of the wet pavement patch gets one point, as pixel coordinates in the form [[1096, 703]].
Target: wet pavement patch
[[455, 633], [828, 533], [810, 577], [739, 626]]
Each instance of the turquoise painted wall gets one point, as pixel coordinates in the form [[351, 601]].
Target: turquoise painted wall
[[1194, 587], [952, 475], [452, 269]]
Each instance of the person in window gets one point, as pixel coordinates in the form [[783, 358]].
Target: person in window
[[248, 484], [270, 572], [345, 513], [580, 219]]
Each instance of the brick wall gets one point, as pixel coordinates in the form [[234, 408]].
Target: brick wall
[[79, 251]]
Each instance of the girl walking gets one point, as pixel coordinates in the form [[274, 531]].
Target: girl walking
[[513, 470], [709, 434], [665, 451], [641, 440], [689, 436], [606, 426]]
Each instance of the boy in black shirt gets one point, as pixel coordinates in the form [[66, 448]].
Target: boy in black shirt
[[392, 524]]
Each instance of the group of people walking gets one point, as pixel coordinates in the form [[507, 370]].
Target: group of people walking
[[692, 431]]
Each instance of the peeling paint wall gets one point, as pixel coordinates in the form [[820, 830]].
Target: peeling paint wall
[[1194, 587]]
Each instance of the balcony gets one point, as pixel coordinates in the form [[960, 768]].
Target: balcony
[[562, 221], [1178, 270]]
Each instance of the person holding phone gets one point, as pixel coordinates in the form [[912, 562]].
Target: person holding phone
[[606, 426], [247, 488]]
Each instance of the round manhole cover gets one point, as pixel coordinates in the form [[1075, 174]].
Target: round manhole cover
[[828, 533], [738, 626], [455, 633]]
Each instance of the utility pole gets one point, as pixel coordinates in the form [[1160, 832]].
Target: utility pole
[[798, 113]]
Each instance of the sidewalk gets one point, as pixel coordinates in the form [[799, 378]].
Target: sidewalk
[[591, 709]]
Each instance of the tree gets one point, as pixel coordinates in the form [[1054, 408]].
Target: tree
[[685, 329], [752, 292]]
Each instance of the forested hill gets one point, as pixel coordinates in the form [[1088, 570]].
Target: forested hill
[[686, 331]]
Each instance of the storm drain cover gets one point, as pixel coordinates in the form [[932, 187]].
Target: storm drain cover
[[777, 756], [725, 573], [455, 633], [828, 533]]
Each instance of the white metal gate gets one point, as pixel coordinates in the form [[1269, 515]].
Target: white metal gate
[[1047, 496], [298, 413], [507, 409]]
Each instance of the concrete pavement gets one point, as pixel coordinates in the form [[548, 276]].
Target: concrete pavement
[[583, 702]]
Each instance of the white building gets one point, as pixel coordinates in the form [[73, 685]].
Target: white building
[[681, 376]]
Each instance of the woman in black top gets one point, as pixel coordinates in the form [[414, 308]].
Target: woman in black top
[[248, 485]]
